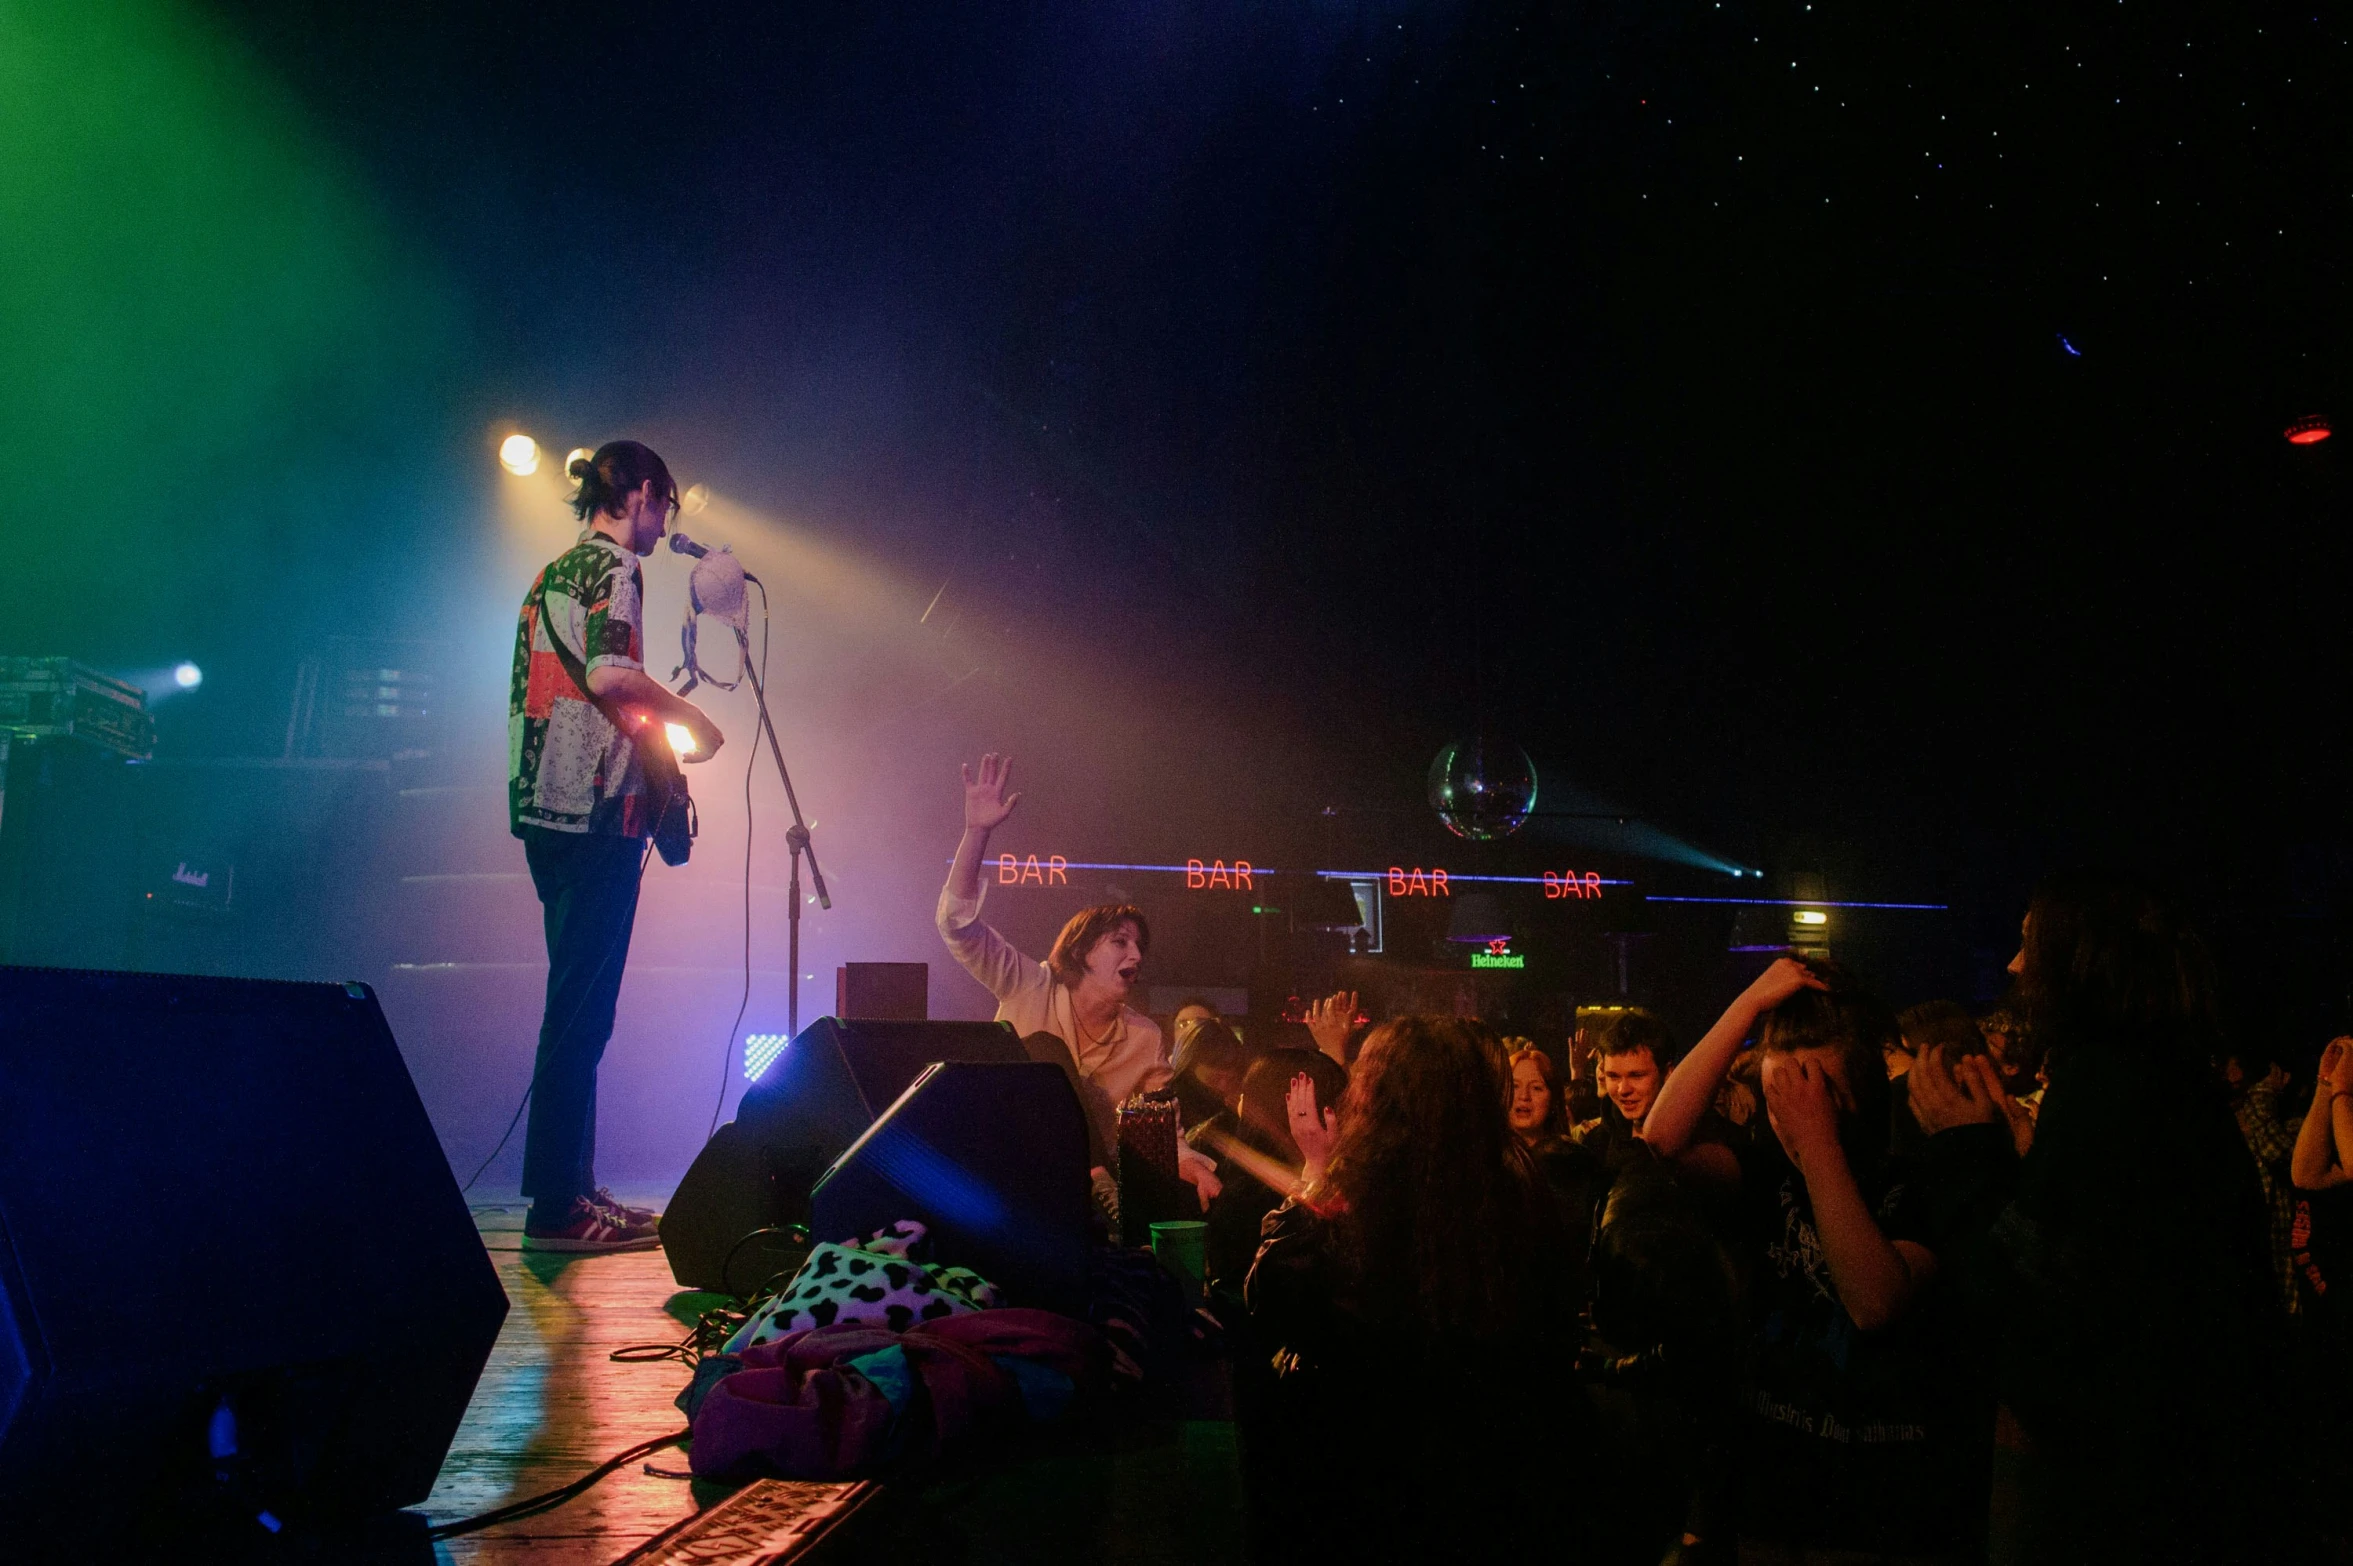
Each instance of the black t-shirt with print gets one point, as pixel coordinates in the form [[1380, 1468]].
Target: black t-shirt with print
[[1878, 1440]]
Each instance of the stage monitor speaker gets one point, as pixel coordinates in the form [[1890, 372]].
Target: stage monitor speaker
[[992, 1160], [816, 1098], [225, 1222], [882, 991]]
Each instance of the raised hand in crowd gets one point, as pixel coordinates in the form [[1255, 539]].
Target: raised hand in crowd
[[1331, 1020], [1951, 1090], [986, 804], [1313, 1131], [1690, 1089]]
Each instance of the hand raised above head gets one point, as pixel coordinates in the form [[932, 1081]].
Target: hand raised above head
[[1331, 1020], [1778, 983], [986, 804]]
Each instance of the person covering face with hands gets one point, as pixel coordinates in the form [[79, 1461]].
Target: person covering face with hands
[[1863, 1416], [1079, 994]]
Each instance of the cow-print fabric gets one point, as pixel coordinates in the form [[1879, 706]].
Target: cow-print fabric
[[875, 1282]]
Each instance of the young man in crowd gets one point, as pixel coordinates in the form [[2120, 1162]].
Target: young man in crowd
[[1869, 1427], [1631, 1059]]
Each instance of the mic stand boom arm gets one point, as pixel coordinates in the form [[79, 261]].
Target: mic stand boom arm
[[797, 838]]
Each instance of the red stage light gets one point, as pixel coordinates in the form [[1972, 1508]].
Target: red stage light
[[2308, 432]]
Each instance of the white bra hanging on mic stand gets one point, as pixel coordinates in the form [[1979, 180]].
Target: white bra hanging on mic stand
[[717, 588]]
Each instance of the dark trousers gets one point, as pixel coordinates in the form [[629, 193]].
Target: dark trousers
[[587, 887]]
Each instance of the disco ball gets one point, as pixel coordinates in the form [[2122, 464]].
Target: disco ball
[[1482, 788]]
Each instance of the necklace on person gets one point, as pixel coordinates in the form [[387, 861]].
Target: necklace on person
[[1081, 1040]]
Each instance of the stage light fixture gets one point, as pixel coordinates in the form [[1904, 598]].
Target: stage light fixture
[[696, 497], [187, 676], [1813, 916], [519, 455], [759, 1053], [2308, 431]]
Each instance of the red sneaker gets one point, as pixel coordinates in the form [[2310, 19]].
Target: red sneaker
[[590, 1229]]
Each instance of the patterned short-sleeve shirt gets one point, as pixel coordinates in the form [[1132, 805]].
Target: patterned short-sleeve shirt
[[568, 768]]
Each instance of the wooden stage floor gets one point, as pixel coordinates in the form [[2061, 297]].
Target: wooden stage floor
[[552, 1403], [1140, 1490]]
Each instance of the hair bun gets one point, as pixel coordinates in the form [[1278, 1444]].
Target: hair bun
[[580, 467]]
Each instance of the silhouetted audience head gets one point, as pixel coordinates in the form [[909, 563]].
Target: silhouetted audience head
[[1660, 1279], [1936, 1024], [2107, 963]]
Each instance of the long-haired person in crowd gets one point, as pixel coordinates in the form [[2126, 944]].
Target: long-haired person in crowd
[[1419, 1300], [2142, 1325], [1539, 1117], [1867, 1430], [1079, 994]]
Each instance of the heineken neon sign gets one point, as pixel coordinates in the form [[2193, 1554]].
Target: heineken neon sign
[[1499, 955]]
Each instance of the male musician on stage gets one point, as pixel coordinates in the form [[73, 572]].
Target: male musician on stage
[[1078, 994], [576, 796]]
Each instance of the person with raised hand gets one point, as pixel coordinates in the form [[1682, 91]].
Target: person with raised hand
[[1079, 994], [1869, 1429]]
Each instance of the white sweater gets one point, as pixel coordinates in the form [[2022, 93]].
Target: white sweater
[[1130, 1059]]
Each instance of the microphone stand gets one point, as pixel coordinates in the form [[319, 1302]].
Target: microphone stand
[[796, 837]]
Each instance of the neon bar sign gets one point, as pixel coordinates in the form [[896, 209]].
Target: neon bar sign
[[1242, 874], [1499, 955], [1028, 872]]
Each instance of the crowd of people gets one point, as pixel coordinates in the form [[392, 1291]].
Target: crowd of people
[[1834, 1284]]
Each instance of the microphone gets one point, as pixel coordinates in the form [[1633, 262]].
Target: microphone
[[680, 544]]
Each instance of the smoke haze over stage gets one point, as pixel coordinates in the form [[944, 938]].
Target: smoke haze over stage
[[1219, 412]]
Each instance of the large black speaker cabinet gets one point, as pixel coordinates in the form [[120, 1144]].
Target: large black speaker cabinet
[[817, 1098], [992, 1160], [225, 1221]]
